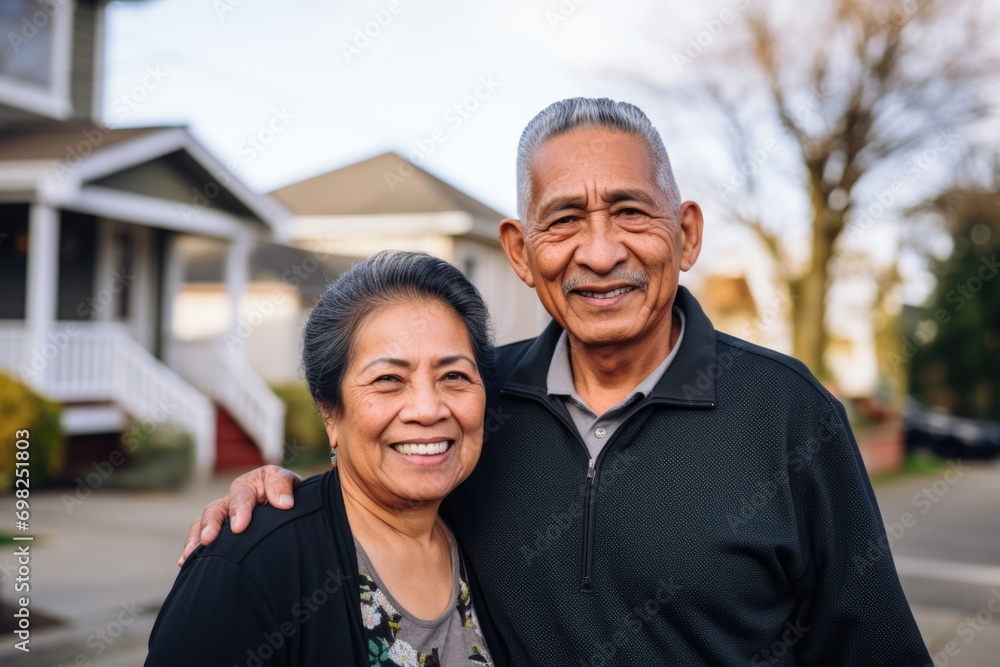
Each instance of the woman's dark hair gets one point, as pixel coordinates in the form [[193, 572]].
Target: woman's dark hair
[[385, 279]]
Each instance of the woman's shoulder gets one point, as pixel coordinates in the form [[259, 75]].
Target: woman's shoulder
[[273, 529]]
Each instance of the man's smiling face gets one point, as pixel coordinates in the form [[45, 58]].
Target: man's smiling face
[[601, 244]]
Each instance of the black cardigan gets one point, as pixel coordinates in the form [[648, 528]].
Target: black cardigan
[[285, 592]]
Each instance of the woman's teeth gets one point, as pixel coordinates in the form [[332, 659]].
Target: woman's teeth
[[422, 449]]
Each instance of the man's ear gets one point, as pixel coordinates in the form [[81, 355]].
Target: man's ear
[[514, 246], [692, 223]]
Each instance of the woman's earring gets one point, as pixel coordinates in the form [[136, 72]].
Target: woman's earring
[[333, 457]]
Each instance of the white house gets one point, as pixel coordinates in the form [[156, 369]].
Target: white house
[[95, 224], [342, 216], [385, 202]]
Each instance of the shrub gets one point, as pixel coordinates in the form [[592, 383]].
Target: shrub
[[160, 456], [21, 408], [306, 442]]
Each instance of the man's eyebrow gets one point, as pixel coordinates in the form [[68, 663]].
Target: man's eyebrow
[[561, 203], [611, 197], [615, 196]]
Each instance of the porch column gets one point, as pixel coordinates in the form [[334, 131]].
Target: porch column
[[40, 293], [237, 277], [173, 278]]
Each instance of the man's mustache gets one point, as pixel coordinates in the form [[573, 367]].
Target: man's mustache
[[619, 275]]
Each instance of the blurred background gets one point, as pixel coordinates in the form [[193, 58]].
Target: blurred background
[[180, 180]]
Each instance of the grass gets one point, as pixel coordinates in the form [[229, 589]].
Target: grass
[[919, 464]]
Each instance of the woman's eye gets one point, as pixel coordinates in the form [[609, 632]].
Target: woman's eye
[[386, 379], [455, 375]]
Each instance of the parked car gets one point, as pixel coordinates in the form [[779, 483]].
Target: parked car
[[949, 436]]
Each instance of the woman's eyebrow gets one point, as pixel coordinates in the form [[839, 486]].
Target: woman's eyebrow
[[445, 361], [391, 361], [403, 363]]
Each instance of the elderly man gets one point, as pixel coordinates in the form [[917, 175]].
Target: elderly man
[[652, 491]]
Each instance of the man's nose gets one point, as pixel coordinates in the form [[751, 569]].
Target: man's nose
[[600, 247]]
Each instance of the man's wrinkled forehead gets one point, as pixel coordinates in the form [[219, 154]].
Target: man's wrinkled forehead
[[591, 145]]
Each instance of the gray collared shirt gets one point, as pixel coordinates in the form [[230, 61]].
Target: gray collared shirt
[[597, 429]]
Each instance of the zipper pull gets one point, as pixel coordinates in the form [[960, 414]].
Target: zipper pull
[[591, 471]]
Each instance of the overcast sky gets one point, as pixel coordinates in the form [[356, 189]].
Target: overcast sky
[[354, 79], [282, 91]]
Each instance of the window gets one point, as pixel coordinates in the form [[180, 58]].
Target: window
[[13, 260], [35, 56], [122, 259]]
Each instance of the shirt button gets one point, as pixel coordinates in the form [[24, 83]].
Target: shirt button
[[601, 432]]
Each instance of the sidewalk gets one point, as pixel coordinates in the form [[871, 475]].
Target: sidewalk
[[944, 530], [103, 569]]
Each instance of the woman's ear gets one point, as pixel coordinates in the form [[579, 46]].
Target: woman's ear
[[330, 425]]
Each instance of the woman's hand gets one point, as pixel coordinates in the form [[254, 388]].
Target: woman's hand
[[270, 484]]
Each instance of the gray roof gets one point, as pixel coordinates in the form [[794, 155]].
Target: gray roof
[[375, 186], [57, 141]]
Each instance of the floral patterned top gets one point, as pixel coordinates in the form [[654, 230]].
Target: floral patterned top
[[396, 637]]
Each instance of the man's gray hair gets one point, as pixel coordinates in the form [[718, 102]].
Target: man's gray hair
[[586, 112]]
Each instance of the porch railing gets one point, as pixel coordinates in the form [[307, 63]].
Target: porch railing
[[93, 361], [230, 381]]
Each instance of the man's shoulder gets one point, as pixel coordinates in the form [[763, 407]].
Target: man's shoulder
[[271, 526], [510, 354], [779, 370]]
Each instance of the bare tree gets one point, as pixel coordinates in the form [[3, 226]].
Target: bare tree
[[848, 87]]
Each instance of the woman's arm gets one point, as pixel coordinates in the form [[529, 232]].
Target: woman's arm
[[215, 615]]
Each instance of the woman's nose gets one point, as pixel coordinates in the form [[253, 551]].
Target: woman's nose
[[425, 406]]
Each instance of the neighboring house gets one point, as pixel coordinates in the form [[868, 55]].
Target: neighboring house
[[729, 303], [385, 202], [95, 224], [348, 214]]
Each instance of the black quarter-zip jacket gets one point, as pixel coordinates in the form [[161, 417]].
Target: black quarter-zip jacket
[[728, 521]]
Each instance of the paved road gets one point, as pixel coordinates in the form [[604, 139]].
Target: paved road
[[104, 567], [945, 537]]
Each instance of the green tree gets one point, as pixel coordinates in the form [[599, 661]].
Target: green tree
[[956, 365]]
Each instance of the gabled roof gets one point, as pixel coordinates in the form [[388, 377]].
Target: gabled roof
[[63, 141], [383, 185], [74, 164]]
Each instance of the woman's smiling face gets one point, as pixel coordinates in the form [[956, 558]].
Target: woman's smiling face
[[410, 428]]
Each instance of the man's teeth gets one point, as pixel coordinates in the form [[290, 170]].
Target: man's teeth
[[607, 295], [409, 448]]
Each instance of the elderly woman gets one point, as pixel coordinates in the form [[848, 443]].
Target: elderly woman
[[363, 571]]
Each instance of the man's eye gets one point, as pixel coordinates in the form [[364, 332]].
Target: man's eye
[[562, 221], [630, 212]]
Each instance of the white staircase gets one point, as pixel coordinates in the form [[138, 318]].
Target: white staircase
[[228, 379], [100, 362]]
